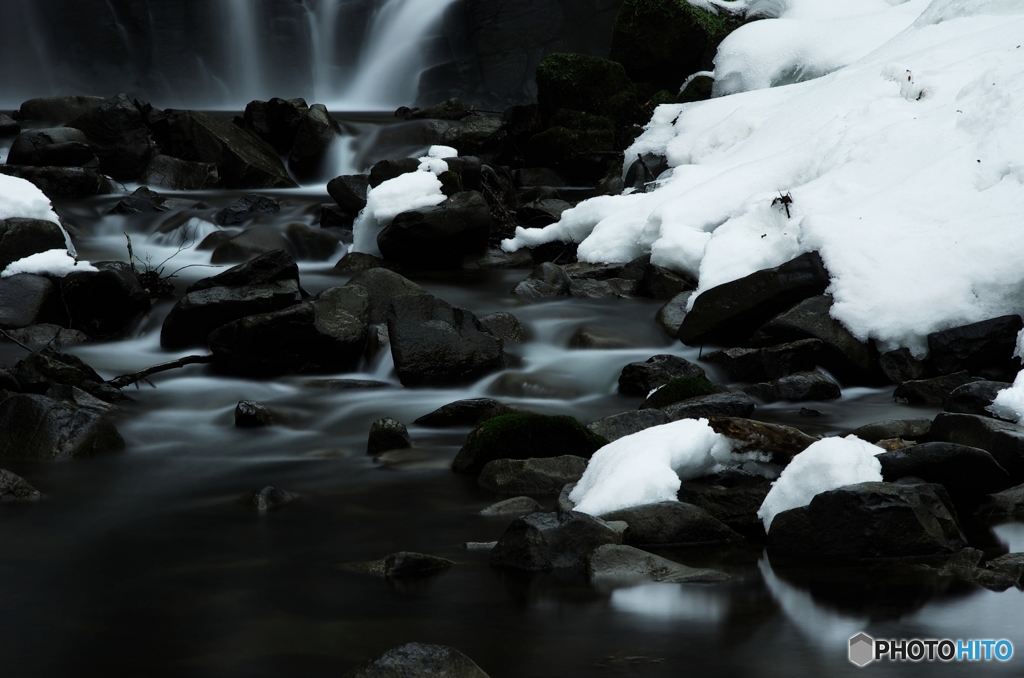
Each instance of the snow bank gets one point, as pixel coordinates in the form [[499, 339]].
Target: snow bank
[[57, 263], [1009, 403], [905, 164], [825, 465], [403, 193], [646, 467], [21, 198]]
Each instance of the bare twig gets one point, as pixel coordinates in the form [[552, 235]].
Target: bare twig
[[131, 254], [127, 379], [10, 338]]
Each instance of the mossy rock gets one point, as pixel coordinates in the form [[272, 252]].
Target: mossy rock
[[582, 155], [698, 89], [663, 41], [680, 389], [525, 436], [573, 119], [588, 84]]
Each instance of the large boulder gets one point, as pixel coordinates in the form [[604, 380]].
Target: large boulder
[[64, 182], [966, 472], [349, 191], [58, 109], [525, 436], [274, 266], [434, 343], [671, 522], [27, 299], [276, 121], [327, 334], [731, 312], [439, 235], [119, 135], [245, 208], [974, 397], [763, 364], [243, 161], [40, 370], [56, 146], [20, 238], [383, 285], [420, 660], [105, 303], [796, 387], [180, 175], [314, 135], [548, 541], [983, 348], [38, 428], [1001, 439], [932, 391], [867, 521], [640, 378], [531, 476], [732, 497]]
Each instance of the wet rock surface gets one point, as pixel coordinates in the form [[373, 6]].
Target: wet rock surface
[[418, 659], [531, 476], [548, 541]]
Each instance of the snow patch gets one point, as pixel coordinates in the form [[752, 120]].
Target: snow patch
[[403, 193], [56, 263]]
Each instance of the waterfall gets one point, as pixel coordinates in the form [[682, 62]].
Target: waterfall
[[392, 56], [322, 16], [245, 54]]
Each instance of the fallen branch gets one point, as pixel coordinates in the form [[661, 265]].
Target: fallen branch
[[10, 338], [128, 379]]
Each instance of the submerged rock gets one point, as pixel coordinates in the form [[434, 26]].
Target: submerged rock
[[548, 541], [252, 414], [38, 428], [626, 564], [15, 488], [402, 564], [525, 436], [265, 499], [387, 434], [422, 661], [464, 413]]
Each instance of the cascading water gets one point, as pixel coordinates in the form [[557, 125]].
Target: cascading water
[[241, 18], [322, 16]]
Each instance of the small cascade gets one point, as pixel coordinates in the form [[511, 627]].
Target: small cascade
[[244, 30], [322, 16]]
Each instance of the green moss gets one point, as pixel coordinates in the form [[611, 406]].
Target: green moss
[[525, 436], [587, 84], [681, 389], [698, 89]]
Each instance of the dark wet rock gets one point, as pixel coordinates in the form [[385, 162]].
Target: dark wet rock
[[728, 404], [38, 428], [65, 182], [525, 436], [180, 175], [439, 235], [402, 564], [418, 659], [643, 170], [58, 109], [55, 146], [20, 238], [314, 135], [564, 504], [478, 135], [604, 338], [616, 288], [200, 312], [249, 244], [974, 397], [547, 280], [618, 563], [265, 499], [277, 121], [145, 201], [349, 191], [585, 83], [79, 398], [907, 429], [464, 413], [661, 283], [119, 135], [541, 212], [1003, 506], [997, 574], [1003, 440], [983, 348], [547, 385], [246, 208], [627, 423], [841, 353], [8, 382], [496, 258], [516, 506], [967, 473], [505, 326], [581, 155], [901, 365], [1009, 567], [15, 488], [450, 109], [252, 414], [331, 216], [640, 378], [548, 541], [933, 391], [780, 441], [9, 127], [389, 169], [671, 522], [105, 303], [796, 387], [732, 497], [38, 371], [868, 520], [581, 270], [312, 244], [731, 312], [670, 316], [242, 160], [387, 434], [355, 262], [213, 241], [271, 267], [531, 476], [383, 285], [762, 364], [327, 334], [434, 343], [678, 389], [346, 384]]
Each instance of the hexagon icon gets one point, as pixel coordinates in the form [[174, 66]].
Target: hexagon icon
[[862, 649]]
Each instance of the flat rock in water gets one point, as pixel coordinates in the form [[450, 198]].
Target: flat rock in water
[[525, 436], [421, 661], [780, 441], [964, 471], [1001, 439], [671, 522], [728, 404], [866, 521], [15, 488], [549, 541], [464, 413], [627, 423], [933, 391], [387, 434], [640, 378], [516, 506], [616, 563], [798, 387], [401, 564], [762, 364], [545, 475], [598, 338], [974, 397], [265, 499], [38, 428], [906, 429]]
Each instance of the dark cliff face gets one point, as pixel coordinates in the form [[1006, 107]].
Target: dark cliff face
[[218, 53]]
